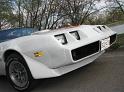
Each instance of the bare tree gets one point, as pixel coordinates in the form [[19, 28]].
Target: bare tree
[[5, 13], [50, 14], [116, 4], [77, 11], [120, 4]]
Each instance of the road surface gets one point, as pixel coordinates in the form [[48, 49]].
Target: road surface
[[119, 29], [106, 74]]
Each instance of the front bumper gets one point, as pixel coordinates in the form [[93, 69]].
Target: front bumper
[[65, 69], [40, 70]]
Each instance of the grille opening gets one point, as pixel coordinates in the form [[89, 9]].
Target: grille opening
[[86, 50], [112, 38]]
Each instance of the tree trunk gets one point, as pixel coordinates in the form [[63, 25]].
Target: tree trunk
[[19, 6]]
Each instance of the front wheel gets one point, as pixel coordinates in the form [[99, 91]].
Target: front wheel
[[18, 72]]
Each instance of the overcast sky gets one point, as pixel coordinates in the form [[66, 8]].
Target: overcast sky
[[101, 4]]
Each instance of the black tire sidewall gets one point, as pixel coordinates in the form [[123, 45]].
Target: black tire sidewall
[[20, 59]]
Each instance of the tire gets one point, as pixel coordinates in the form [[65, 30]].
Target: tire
[[18, 73]]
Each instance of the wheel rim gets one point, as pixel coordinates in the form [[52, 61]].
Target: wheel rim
[[18, 74]]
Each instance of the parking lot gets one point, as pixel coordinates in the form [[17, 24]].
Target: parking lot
[[106, 74]]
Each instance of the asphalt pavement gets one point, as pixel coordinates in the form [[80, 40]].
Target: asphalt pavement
[[106, 74], [119, 29]]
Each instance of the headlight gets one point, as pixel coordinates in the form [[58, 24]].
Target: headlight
[[104, 27], [75, 34], [99, 28], [61, 38]]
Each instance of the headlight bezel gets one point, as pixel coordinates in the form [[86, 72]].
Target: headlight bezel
[[61, 38], [75, 34]]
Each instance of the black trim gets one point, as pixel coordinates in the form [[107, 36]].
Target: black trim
[[113, 38], [85, 51]]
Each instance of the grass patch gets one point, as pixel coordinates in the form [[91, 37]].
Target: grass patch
[[119, 42], [120, 39], [116, 23]]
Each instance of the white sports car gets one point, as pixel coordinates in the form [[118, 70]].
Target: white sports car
[[27, 54]]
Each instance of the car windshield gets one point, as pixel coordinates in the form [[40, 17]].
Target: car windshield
[[15, 33]]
